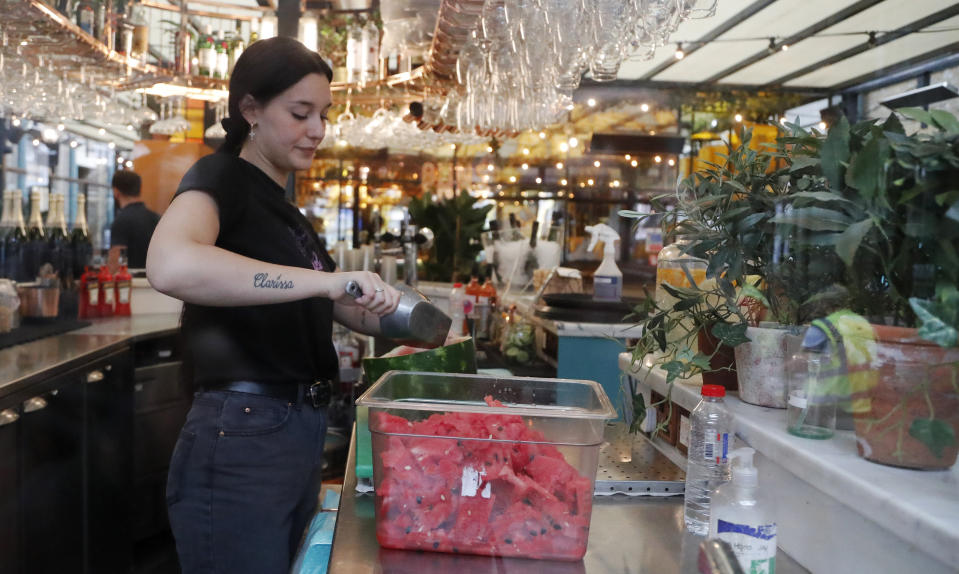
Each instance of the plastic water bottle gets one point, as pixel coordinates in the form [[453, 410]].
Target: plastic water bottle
[[707, 465], [458, 310]]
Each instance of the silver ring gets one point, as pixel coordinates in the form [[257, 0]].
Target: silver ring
[[378, 290]]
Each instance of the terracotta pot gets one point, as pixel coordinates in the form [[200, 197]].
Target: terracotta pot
[[906, 376], [724, 360], [761, 367]]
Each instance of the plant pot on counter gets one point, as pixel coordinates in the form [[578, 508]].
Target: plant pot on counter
[[907, 410], [761, 366], [722, 363]]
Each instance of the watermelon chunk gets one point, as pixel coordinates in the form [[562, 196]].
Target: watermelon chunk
[[478, 483]]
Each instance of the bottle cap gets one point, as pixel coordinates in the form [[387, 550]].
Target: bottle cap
[[457, 285], [714, 391], [744, 473]]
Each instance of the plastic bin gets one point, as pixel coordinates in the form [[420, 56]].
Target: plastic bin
[[484, 465]]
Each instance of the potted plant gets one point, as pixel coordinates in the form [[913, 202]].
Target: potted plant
[[887, 203]]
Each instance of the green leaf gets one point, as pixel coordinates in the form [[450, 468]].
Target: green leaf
[[934, 433], [932, 327], [835, 152], [639, 412], [893, 125], [814, 219], [945, 120], [849, 240], [917, 114], [730, 335], [864, 169], [802, 162], [701, 361], [821, 196]]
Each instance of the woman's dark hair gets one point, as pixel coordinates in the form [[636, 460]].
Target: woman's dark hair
[[265, 70]]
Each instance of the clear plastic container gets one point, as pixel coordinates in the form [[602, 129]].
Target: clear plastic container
[[482, 465]]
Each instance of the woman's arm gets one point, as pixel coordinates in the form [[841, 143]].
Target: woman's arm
[[183, 262]]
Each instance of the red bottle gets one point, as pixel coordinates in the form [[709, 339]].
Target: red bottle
[[124, 282], [89, 294], [107, 292]]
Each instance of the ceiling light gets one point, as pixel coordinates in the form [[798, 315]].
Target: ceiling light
[[559, 165], [589, 181], [615, 183], [525, 151], [573, 141], [36, 142], [512, 179], [563, 181], [489, 167], [671, 162], [486, 178], [539, 180], [596, 163], [16, 122], [489, 149], [112, 145], [714, 123], [61, 127], [679, 54], [785, 47], [591, 102], [652, 132], [102, 132], [658, 159], [644, 107], [129, 164], [564, 147], [628, 157], [74, 144], [634, 163], [738, 118], [50, 135], [542, 135]]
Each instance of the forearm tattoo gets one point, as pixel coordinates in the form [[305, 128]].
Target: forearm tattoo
[[264, 281]]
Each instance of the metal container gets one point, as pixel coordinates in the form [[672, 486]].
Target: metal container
[[38, 300]]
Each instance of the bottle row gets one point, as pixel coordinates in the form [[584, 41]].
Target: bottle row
[[26, 246]]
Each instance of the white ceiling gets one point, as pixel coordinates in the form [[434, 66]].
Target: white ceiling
[[781, 19]]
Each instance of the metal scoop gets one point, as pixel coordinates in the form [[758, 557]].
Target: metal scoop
[[416, 321]]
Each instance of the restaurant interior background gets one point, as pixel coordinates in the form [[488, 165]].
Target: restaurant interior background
[[410, 118]]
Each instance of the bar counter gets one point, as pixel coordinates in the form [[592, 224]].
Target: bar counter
[[628, 534]]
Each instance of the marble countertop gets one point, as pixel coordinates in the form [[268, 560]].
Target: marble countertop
[[23, 365], [922, 507]]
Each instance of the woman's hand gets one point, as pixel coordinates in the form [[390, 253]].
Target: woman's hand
[[378, 297]]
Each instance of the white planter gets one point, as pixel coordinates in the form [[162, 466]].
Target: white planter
[[761, 367]]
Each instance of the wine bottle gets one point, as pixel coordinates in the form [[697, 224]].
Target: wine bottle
[[6, 226], [59, 242], [222, 57], [206, 53], [34, 251], [80, 242], [16, 238]]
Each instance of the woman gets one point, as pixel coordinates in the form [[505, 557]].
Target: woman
[[260, 296]]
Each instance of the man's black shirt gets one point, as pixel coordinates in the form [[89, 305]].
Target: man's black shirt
[[133, 227]]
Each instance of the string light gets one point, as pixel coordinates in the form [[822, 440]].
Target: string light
[[74, 144], [738, 118], [112, 145], [596, 163], [512, 179], [525, 166], [822, 126], [564, 147], [634, 163], [102, 131], [542, 135], [658, 159], [644, 107], [489, 149], [539, 180], [559, 165], [589, 181], [785, 47], [679, 54], [573, 141], [628, 157], [671, 162], [489, 167], [525, 151], [714, 123], [591, 102], [563, 181]]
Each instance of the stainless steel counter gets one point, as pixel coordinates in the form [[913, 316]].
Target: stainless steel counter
[[23, 365], [627, 535]]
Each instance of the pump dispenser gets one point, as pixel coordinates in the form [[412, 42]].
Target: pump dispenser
[[608, 279], [741, 517]]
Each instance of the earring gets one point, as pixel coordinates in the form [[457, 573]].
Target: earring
[[253, 131]]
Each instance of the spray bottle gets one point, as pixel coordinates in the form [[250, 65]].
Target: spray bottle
[[608, 279], [740, 516]]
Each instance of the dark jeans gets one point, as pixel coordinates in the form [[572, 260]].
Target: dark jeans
[[243, 483]]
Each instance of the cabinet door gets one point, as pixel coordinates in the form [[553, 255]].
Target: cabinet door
[[9, 492], [109, 463], [52, 482]]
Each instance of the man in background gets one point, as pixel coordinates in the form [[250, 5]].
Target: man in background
[[133, 223]]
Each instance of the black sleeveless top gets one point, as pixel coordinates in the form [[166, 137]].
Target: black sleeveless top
[[277, 343]]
